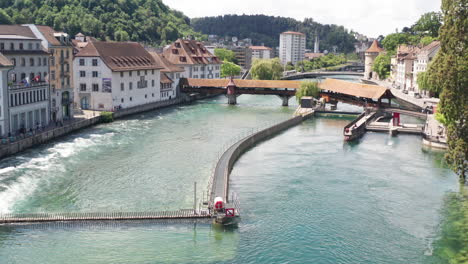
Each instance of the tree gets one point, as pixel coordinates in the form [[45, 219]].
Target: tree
[[426, 40], [449, 72], [308, 88], [429, 24], [392, 41], [229, 69], [382, 65], [225, 54], [4, 17], [266, 69], [121, 35]]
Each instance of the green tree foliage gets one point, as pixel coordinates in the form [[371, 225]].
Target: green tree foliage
[[266, 29], [308, 88], [382, 65], [149, 21], [426, 40], [428, 24], [452, 247], [266, 69], [4, 17], [392, 41], [225, 55], [328, 60], [449, 73], [229, 69]]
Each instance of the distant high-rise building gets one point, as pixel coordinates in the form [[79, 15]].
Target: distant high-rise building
[[316, 45], [292, 47]]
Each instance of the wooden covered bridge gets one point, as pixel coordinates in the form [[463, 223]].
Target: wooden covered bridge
[[331, 88]]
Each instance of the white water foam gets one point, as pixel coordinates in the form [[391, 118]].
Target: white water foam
[[30, 173]]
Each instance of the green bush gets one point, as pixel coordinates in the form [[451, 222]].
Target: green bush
[[308, 88], [107, 117]]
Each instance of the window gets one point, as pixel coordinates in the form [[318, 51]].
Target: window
[[39, 62], [131, 98], [44, 61], [23, 62], [67, 67], [122, 86], [30, 46], [83, 87], [95, 74], [2, 46], [95, 62], [152, 83], [82, 74], [67, 54], [122, 100], [12, 46], [13, 61], [130, 73], [130, 86], [121, 74], [152, 94], [82, 62], [23, 76], [138, 73], [37, 46], [21, 46], [146, 96], [146, 72], [152, 72], [95, 87]]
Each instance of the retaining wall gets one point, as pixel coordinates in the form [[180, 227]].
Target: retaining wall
[[44, 137], [250, 141]]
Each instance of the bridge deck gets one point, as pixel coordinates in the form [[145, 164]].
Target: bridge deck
[[108, 216]]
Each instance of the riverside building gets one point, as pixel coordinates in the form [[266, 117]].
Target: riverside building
[[59, 45], [170, 76], [292, 47], [112, 75], [196, 60], [423, 58], [370, 56], [28, 89], [5, 67]]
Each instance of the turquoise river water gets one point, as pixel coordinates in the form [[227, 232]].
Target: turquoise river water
[[307, 196]]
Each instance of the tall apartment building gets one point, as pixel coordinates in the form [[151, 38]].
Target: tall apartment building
[[28, 89], [257, 52], [59, 45], [292, 47], [5, 67], [114, 75], [196, 60]]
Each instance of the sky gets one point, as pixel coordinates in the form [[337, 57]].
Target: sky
[[369, 17]]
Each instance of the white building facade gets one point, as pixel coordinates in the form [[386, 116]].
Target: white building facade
[[423, 58], [292, 47], [5, 67], [194, 58], [28, 87], [115, 75]]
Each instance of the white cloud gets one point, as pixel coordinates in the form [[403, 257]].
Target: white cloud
[[370, 17]]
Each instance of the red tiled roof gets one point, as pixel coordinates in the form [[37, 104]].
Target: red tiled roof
[[243, 83], [293, 33], [48, 33], [189, 52], [120, 56], [4, 61], [375, 47], [165, 78], [259, 48], [354, 89], [312, 55], [166, 64], [17, 30]]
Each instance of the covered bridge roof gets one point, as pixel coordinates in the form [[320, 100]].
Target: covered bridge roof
[[354, 89], [242, 83]]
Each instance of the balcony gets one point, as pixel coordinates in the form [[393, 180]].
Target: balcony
[[16, 86]]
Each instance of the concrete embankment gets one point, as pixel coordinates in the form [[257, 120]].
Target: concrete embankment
[[48, 135], [220, 184]]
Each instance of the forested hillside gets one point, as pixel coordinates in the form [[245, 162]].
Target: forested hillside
[[148, 21], [266, 29]]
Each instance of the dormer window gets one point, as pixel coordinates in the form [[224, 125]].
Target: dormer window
[[177, 44], [175, 51], [183, 59]]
